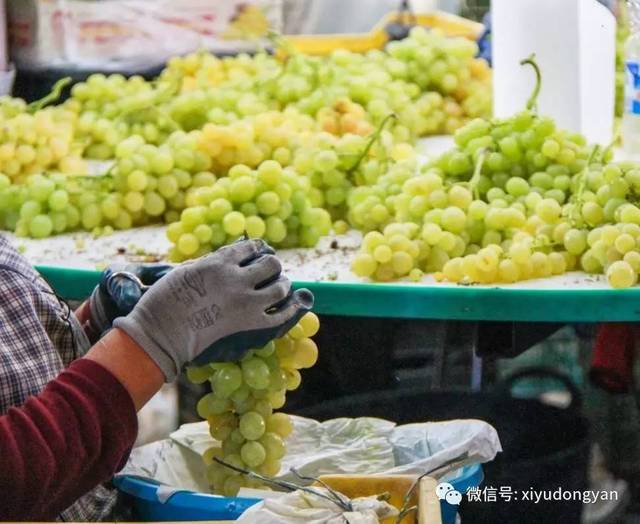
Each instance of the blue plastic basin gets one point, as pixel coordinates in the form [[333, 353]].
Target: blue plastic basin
[[181, 506], [470, 477]]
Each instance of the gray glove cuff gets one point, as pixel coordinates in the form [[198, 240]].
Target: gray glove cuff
[[131, 326]]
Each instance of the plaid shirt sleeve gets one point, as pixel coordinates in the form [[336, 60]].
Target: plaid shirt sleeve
[[39, 337]]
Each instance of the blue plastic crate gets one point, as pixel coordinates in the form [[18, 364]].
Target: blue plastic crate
[[190, 506]]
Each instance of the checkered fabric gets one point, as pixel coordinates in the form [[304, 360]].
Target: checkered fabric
[[39, 337]]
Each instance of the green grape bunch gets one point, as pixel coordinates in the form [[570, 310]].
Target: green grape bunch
[[240, 410], [269, 202], [515, 199]]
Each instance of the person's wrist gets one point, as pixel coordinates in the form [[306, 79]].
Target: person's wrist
[[130, 364], [139, 325]]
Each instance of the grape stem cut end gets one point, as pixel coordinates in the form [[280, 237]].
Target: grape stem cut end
[[532, 103], [53, 96]]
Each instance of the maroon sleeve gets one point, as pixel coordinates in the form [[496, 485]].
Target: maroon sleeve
[[62, 443]]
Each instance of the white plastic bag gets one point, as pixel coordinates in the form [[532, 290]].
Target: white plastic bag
[[343, 445], [364, 446], [301, 507]]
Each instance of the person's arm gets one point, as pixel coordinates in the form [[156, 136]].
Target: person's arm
[[130, 364], [77, 433]]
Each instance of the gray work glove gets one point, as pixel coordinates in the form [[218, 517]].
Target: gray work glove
[[119, 290], [215, 308]]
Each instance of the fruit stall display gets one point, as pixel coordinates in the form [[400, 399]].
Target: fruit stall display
[[216, 147], [315, 153], [290, 149]]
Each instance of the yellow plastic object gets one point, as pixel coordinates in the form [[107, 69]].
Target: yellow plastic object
[[452, 25], [325, 44], [396, 486]]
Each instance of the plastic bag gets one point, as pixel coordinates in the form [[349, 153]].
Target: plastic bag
[[301, 507], [365, 446]]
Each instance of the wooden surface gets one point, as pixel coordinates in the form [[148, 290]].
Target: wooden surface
[[428, 503]]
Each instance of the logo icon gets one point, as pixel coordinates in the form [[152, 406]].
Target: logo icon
[[445, 491]]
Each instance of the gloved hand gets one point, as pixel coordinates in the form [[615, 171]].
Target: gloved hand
[[216, 308], [119, 290]]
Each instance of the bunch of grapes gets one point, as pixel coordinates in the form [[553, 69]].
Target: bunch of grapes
[[252, 140], [52, 203], [520, 261], [328, 162], [504, 179], [33, 142], [240, 409], [434, 61], [268, 202], [151, 182], [432, 82], [195, 70], [515, 199], [371, 205], [201, 69], [344, 116], [397, 252], [344, 169], [111, 108], [613, 249], [220, 90]]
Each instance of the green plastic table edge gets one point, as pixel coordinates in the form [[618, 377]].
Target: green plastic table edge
[[422, 302]]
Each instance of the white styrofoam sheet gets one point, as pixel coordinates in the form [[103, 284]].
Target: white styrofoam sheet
[[329, 261]]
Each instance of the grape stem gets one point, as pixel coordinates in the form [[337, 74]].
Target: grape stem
[[153, 110], [54, 95], [607, 150], [595, 152], [477, 173], [162, 94], [372, 140], [339, 498], [532, 103], [405, 512], [335, 498]]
